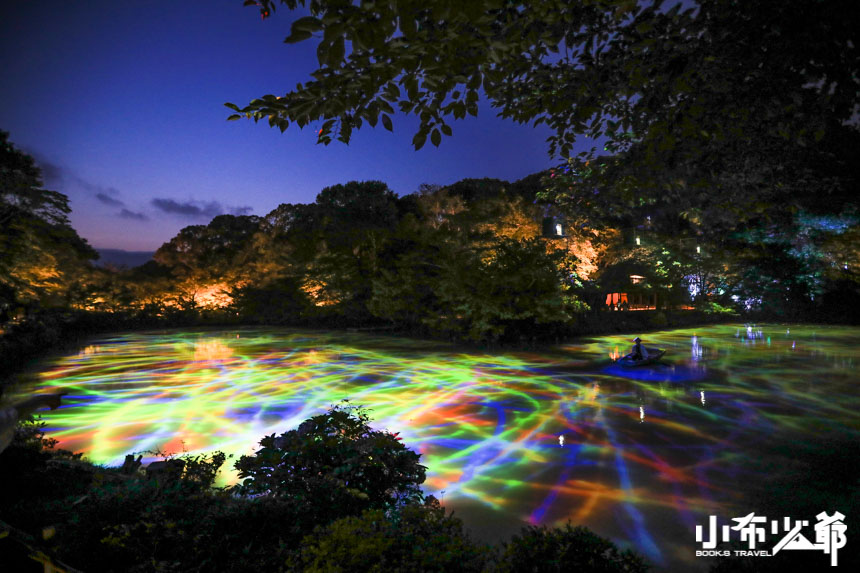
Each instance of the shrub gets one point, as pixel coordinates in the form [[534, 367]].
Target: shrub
[[716, 308], [139, 526], [335, 495], [564, 549], [659, 319], [33, 473], [414, 538], [336, 465]]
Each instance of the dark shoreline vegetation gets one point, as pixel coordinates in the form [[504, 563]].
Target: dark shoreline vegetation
[[333, 494]]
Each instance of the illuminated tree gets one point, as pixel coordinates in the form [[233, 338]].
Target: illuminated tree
[[515, 291], [42, 258], [207, 260], [352, 224]]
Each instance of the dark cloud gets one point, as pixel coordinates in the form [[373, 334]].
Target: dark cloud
[[126, 214], [56, 175], [191, 209], [197, 209], [108, 200], [94, 187]]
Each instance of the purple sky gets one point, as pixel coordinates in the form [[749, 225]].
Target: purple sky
[[122, 105]]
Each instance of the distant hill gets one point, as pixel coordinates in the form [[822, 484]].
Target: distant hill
[[120, 258]]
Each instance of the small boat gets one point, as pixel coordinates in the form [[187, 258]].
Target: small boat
[[653, 356]]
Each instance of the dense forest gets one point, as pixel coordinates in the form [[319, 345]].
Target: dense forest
[[480, 260]]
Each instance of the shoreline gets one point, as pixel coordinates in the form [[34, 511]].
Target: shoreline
[[25, 343]]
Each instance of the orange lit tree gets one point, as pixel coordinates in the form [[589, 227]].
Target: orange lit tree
[[43, 261]]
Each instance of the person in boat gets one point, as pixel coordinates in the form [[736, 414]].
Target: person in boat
[[639, 352]]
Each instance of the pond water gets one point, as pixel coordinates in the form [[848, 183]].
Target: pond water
[[640, 455]]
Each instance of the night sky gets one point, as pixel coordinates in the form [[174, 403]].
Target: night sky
[[121, 103]]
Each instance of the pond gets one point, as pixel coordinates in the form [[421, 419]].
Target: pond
[[640, 455]]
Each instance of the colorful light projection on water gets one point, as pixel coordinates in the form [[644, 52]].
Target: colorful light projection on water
[[640, 455]]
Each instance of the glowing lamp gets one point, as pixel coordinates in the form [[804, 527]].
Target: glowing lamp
[[553, 228]]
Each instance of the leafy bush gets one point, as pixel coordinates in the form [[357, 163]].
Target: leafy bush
[[415, 538], [659, 319], [32, 471], [336, 465], [564, 549], [139, 526], [716, 308], [133, 523]]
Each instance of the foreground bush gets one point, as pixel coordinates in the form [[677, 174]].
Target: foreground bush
[[142, 528], [415, 538], [335, 465], [563, 549], [370, 516]]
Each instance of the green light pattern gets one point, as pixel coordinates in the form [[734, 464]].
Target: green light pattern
[[647, 453]]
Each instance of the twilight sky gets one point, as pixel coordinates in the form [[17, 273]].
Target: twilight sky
[[121, 103]]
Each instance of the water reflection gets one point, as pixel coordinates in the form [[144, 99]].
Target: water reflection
[[529, 437]]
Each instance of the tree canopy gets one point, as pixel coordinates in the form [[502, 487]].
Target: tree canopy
[[633, 72], [716, 115], [42, 258]]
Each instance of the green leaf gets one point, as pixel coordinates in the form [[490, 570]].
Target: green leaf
[[408, 25], [234, 117], [386, 123], [436, 137], [296, 37], [232, 106], [307, 24], [392, 92], [446, 129], [322, 54], [336, 52], [419, 140]]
